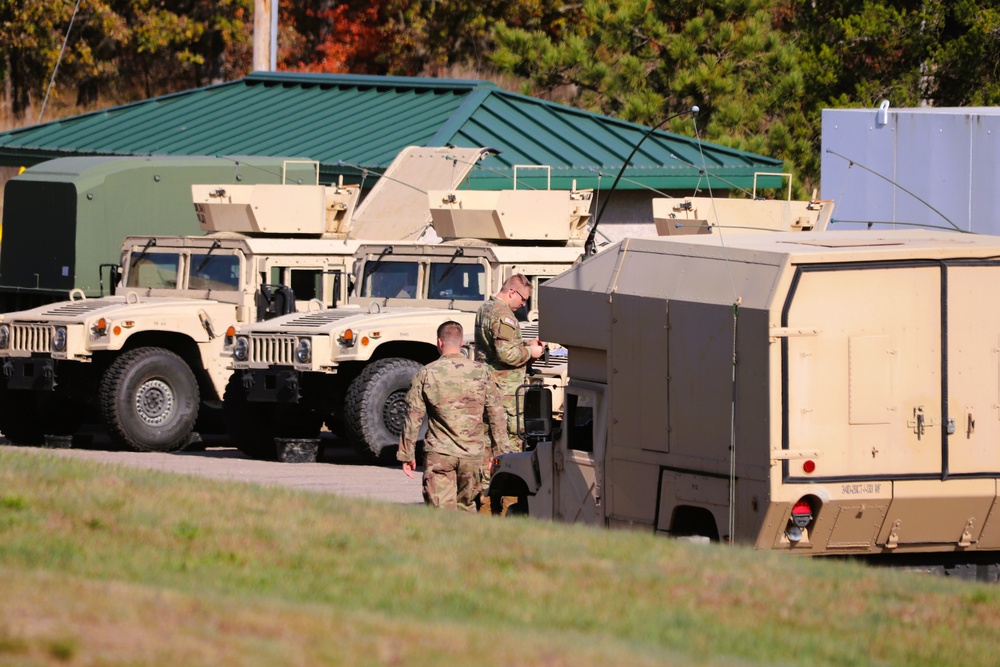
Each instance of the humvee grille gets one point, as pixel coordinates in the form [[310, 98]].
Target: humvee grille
[[31, 337], [272, 350]]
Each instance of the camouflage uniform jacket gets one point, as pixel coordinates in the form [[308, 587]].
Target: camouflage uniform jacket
[[499, 344], [454, 393]]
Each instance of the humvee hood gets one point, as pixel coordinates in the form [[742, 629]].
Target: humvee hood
[[110, 307], [336, 319]]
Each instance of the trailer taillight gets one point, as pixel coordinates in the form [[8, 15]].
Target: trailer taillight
[[802, 513], [802, 516]]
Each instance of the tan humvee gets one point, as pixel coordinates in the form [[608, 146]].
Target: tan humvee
[[831, 393], [146, 360], [351, 366]]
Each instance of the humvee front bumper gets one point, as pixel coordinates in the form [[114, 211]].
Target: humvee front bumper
[[272, 385], [29, 373]]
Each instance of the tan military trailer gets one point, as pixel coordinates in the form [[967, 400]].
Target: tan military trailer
[[813, 393], [350, 366], [149, 359]]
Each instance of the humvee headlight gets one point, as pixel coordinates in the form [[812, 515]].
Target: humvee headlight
[[241, 348], [347, 338], [59, 339], [303, 353], [4, 336]]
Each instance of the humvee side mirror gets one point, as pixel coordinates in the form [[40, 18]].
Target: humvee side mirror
[[534, 413], [274, 301], [114, 277]]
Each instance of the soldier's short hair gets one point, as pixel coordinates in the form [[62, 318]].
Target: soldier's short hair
[[519, 282], [451, 333]]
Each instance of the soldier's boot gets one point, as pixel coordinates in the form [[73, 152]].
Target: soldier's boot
[[506, 502], [485, 507]]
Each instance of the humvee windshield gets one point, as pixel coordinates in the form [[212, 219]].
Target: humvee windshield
[[463, 282], [215, 272], [161, 270], [392, 280], [399, 280], [153, 269]]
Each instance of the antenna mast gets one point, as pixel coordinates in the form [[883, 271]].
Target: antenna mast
[[588, 246]]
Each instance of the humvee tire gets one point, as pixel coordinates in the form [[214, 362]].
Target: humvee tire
[[247, 424], [149, 400], [375, 407]]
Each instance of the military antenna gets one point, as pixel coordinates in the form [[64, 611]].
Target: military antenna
[[588, 246]]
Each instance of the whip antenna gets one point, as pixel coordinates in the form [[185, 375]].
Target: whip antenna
[[588, 246]]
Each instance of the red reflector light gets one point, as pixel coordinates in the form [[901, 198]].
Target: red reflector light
[[809, 466], [801, 507]]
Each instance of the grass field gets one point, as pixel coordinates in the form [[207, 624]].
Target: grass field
[[101, 565]]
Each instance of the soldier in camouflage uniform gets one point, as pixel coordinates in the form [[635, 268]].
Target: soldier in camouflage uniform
[[454, 393], [500, 346]]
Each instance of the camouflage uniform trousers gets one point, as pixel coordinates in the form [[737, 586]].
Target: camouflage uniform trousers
[[516, 445], [451, 482]]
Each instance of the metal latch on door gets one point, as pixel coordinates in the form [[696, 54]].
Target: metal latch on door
[[920, 421]]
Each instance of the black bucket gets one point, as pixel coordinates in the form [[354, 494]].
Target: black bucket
[[297, 450]]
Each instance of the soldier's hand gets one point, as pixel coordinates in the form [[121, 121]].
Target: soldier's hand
[[409, 467], [537, 349]]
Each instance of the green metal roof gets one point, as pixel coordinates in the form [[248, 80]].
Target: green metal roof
[[347, 122]]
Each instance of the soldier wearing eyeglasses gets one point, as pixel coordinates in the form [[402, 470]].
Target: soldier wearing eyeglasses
[[499, 344]]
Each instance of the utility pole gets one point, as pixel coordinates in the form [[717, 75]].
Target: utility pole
[[265, 35]]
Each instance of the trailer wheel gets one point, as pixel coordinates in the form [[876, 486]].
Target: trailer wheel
[[375, 407], [252, 427], [149, 400]]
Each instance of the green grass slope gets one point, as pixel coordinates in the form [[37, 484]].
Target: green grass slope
[[101, 565]]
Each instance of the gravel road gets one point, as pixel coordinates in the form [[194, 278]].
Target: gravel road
[[340, 470]]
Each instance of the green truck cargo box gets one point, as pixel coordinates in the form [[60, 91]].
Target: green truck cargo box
[[64, 218]]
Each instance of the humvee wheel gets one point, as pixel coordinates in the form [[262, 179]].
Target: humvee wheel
[[375, 407], [252, 427], [149, 400]]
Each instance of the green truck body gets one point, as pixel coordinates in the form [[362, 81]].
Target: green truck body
[[64, 218]]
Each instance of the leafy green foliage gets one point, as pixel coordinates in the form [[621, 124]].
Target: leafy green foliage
[[643, 61], [761, 71], [119, 48]]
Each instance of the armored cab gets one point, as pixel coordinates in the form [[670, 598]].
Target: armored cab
[[151, 359], [351, 366], [813, 393]]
